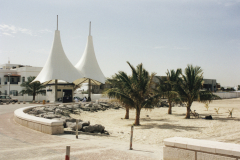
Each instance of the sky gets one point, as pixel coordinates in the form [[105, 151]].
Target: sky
[[160, 34]]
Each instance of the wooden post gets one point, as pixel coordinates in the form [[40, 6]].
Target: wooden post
[[131, 138], [77, 128], [67, 157]]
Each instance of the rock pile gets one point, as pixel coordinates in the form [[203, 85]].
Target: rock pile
[[62, 112]]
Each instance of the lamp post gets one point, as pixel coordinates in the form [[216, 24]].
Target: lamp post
[[9, 74]]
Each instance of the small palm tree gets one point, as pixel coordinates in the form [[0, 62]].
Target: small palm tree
[[167, 87], [117, 91], [189, 87], [135, 90], [34, 88]]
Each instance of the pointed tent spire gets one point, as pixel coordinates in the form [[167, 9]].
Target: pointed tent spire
[[90, 28], [57, 66], [88, 65], [57, 22]]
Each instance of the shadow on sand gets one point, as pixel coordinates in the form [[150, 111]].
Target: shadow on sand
[[174, 127]]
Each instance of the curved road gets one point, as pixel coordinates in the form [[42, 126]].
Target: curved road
[[20, 143]]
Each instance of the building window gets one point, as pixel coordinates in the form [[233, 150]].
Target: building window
[[14, 92], [5, 92], [0, 82], [23, 79]]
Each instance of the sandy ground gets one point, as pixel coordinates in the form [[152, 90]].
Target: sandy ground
[[160, 125]]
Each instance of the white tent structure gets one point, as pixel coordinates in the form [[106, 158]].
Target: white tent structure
[[58, 67], [88, 65]]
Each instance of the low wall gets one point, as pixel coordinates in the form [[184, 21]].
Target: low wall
[[29, 98], [94, 97], [226, 95], [178, 148], [39, 124]]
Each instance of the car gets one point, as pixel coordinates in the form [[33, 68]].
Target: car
[[5, 98]]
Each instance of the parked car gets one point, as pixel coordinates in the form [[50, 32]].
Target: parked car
[[5, 99]]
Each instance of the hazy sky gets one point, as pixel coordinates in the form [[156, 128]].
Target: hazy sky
[[161, 34]]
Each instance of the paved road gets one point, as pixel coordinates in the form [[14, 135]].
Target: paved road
[[20, 143]]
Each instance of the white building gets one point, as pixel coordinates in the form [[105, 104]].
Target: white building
[[12, 76]]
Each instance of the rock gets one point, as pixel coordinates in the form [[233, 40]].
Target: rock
[[58, 111], [72, 125], [86, 109], [70, 120], [62, 105], [94, 128], [85, 123], [66, 113], [76, 106], [18, 102], [24, 102], [1, 103], [208, 117], [51, 116]]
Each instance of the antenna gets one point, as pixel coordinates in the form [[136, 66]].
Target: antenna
[[90, 29], [57, 22]]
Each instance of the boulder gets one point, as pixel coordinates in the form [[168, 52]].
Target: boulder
[[58, 111], [76, 106], [85, 123], [94, 128], [72, 125]]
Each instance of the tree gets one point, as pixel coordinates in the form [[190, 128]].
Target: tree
[[34, 88], [189, 88], [117, 87], [135, 90], [167, 86]]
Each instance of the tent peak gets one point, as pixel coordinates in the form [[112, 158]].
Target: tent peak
[[57, 22], [90, 28]]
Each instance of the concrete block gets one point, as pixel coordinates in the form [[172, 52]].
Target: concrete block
[[170, 153], [207, 156]]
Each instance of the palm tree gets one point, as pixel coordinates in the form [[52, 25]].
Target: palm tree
[[189, 87], [167, 86], [135, 90], [117, 87], [34, 88]]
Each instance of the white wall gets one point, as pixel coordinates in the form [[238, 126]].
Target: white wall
[[94, 97], [29, 98], [225, 95]]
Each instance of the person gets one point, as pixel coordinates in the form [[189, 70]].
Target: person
[[76, 100], [84, 99]]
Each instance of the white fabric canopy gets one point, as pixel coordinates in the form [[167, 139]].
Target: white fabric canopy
[[58, 66], [88, 65]]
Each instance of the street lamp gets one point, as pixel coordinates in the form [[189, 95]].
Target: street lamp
[[9, 74]]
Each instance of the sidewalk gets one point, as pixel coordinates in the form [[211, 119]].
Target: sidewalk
[[19, 142]]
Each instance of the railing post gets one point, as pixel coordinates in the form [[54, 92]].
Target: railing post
[[67, 157], [131, 137]]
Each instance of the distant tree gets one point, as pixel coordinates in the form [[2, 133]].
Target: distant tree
[[189, 88], [167, 87], [34, 88]]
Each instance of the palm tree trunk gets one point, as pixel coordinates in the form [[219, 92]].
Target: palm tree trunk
[[127, 113], [188, 111], [137, 119], [33, 96], [170, 107]]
